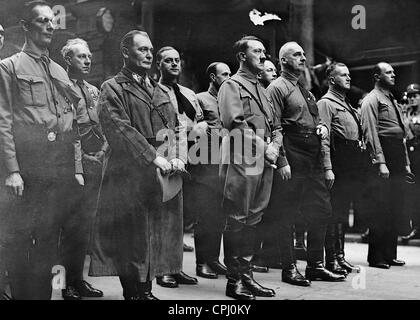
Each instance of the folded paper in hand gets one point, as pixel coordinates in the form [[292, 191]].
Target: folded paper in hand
[[171, 185]]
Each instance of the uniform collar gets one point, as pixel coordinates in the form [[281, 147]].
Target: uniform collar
[[212, 90], [131, 75], [77, 81], [290, 76], [30, 49], [247, 75], [337, 94], [386, 93]]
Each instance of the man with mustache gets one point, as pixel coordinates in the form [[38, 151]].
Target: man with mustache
[[77, 227], [247, 173], [343, 161], [299, 184], [41, 153], [385, 133]]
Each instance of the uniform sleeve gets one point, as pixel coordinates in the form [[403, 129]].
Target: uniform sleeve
[[118, 129], [326, 115], [276, 97], [199, 116], [7, 144], [230, 104], [369, 117]]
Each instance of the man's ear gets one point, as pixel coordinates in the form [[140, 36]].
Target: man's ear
[[212, 77], [124, 52], [242, 56], [67, 59], [158, 65], [283, 61], [25, 25]]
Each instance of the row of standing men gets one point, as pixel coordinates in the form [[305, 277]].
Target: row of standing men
[[306, 148]]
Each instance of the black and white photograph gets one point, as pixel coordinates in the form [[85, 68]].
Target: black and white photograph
[[210, 150]]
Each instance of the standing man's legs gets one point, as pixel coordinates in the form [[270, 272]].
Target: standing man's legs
[[243, 215], [76, 231]]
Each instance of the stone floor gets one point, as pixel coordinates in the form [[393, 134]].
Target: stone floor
[[371, 284]]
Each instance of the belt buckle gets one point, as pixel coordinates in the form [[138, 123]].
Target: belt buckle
[[52, 136]]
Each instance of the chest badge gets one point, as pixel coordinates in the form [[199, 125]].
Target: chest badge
[[52, 136]]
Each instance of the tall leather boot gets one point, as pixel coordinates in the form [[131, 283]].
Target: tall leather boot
[[234, 287], [250, 283], [258, 264], [248, 237], [339, 247], [315, 269], [331, 262], [145, 291]]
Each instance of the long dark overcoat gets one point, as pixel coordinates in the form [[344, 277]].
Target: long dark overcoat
[[134, 231]]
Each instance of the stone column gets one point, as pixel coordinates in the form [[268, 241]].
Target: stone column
[[147, 17], [302, 26]]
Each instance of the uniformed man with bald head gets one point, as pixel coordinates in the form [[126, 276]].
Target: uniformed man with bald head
[[205, 182], [385, 132], [299, 184]]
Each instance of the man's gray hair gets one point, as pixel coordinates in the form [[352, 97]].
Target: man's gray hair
[[68, 48], [285, 48]]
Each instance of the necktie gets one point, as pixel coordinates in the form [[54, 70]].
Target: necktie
[[310, 102], [184, 105], [144, 82], [89, 101], [46, 63], [391, 97]]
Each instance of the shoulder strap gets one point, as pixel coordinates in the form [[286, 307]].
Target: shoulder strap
[[349, 109], [245, 88]]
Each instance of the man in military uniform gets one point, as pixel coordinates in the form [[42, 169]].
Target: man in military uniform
[[299, 183], [191, 117], [385, 134], [77, 227], [248, 154], [412, 118], [40, 150], [205, 181], [343, 162]]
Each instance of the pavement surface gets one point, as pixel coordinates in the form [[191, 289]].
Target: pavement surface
[[397, 283]]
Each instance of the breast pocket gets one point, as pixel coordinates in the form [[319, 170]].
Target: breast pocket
[[383, 109], [249, 104], [32, 90]]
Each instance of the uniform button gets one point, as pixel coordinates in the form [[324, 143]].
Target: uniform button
[[59, 116]]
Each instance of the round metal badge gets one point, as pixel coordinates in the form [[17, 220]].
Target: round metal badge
[[52, 136]]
